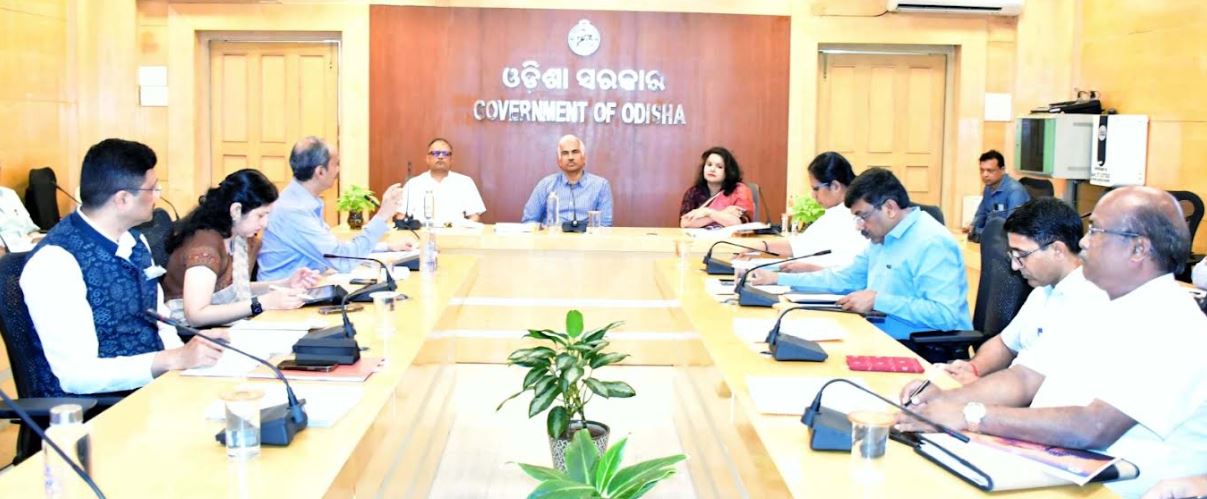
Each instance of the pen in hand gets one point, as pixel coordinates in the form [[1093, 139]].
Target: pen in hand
[[916, 392]]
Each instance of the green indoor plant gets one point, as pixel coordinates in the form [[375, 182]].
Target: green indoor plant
[[805, 210], [561, 379], [356, 200], [592, 475]]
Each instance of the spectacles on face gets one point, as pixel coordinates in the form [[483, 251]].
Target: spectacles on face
[[863, 217], [820, 186], [440, 154], [1121, 233], [1019, 256], [157, 190]]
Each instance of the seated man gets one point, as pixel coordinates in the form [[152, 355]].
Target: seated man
[[89, 281], [1001, 196], [913, 271], [454, 196], [15, 224], [1127, 378], [577, 191], [1043, 238], [297, 236]]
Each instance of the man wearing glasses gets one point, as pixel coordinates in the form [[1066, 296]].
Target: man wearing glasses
[[1129, 377], [1043, 238], [913, 271], [440, 196], [89, 280]]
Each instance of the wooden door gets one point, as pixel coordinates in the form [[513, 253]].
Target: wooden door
[[264, 96], [886, 111]]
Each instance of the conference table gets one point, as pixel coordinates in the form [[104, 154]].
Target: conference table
[[426, 423]]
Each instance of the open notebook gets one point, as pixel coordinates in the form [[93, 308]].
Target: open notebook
[[995, 463]]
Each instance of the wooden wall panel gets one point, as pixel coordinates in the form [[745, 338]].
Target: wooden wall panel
[[730, 72]]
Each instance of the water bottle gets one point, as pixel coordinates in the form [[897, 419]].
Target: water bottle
[[428, 250], [67, 429], [429, 206], [552, 208]]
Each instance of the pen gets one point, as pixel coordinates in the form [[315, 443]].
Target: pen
[[918, 390]]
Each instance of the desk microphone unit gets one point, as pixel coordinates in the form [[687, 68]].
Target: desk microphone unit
[[791, 348], [337, 344], [279, 423], [716, 266], [749, 296], [390, 284], [831, 430], [574, 226]]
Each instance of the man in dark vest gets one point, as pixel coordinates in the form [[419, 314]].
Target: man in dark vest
[[88, 282]]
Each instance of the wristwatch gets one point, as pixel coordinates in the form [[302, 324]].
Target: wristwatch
[[256, 307], [974, 412]]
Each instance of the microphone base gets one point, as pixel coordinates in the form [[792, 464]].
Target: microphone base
[[751, 297], [327, 346], [277, 427], [829, 429], [717, 267], [791, 348], [576, 226]]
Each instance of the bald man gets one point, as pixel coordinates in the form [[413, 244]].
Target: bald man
[[297, 236], [577, 191], [1127, 378]]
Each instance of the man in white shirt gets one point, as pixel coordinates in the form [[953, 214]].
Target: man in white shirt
[[453, 196], [15, 224], [89, 281], [1043, 238], [1129, 379]]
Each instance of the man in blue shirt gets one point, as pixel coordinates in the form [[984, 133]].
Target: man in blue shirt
[[913, 271], [577, 191], [1002, 193], [297, 236]]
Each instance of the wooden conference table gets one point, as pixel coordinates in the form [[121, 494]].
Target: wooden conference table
[[425, 424]]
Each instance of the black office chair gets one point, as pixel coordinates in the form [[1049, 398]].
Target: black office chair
[[759, 204], [157, 231], [1038, 187], [1000, 294], [1192, 209], [933, 210], [40, 198], [38, 389]]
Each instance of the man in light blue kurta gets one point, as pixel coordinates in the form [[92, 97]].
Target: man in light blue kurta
[[577, 191], [913, 272]]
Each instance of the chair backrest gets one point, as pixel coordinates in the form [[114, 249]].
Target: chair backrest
[[934, 212], [1192, 208], [1038, 187], [31, 371], [760, 207], [156, 231], [1001, 291], [40, 198]]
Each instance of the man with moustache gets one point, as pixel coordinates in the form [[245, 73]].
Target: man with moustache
[[577, 190], [454, 196]]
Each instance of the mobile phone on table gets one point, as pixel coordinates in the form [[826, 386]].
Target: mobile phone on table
[[292, 365], [364, 281], [335, 309]]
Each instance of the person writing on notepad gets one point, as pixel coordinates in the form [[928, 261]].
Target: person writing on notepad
[[1127, 377], [830, 174]]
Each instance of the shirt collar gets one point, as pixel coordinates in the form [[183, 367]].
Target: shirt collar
[[904, 224], [1002, 184], [302, 197], [1070, 282], [122, 247], [1150, 290], [561, 179], [838, 209]]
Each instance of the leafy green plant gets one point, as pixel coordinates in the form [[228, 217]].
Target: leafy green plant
[[590, 475], [356, 199], [806, 210], [561, 374]]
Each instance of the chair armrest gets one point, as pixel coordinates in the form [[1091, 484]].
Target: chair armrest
[[934, 338], [40, 407]]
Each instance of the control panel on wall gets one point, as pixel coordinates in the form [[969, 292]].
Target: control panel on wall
[[1120, 150]]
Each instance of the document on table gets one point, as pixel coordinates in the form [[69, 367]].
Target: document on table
[[325, 404], [514, 228], [265, 344], [790, 395]]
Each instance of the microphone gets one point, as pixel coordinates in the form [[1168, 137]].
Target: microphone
[[573, 225], [175, 214], [790, 347], [751, 297], [279, 423], [408, 221], [389, 285], [831, 430], [721, 267], [65, 193], [29, 423], [337, 344]]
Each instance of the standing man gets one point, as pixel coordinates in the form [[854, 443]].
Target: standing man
[[577, 191], [89, 281], [1001, 196], [454, 196], [297, 236]]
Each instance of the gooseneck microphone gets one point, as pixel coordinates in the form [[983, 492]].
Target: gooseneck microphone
[[389, 285], [29, 423], [721, 267], [573, 225], [751, 297], [831, 430], [408, 221], [337, 344], [279, 423], [65, 193], [790, 347]]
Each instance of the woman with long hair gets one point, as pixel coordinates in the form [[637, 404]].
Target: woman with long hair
[[214, 250], [718, 198]]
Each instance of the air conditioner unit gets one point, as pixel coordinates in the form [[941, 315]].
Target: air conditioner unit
[[973, 7]]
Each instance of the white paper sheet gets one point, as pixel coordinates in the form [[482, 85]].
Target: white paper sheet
[[790, 395]]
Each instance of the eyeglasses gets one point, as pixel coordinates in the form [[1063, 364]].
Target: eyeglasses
[[863, 217], [818, 187], [440, 154], [1121, 233], [158, 189], [1019, 256]]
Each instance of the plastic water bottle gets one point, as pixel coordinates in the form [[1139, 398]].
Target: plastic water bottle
[[67, 429], [428, 253], [552, 208], [429, 206]]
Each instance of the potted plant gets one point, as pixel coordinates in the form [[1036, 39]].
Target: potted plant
[[355, 201], [805, 210], [561, 379], [593, 475]]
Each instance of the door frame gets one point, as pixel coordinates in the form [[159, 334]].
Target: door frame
[[947, 166]]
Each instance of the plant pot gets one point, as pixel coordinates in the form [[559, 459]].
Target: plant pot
[[356, 220], [557, 446]]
